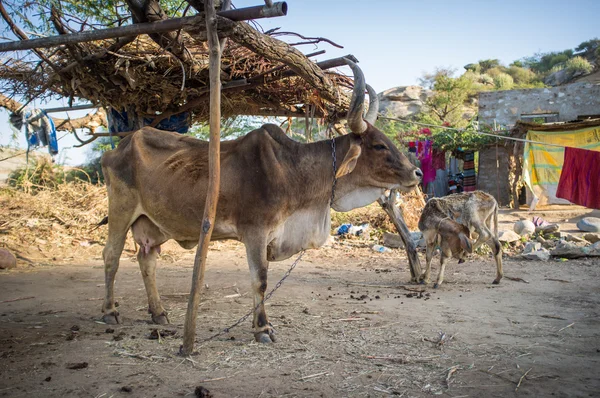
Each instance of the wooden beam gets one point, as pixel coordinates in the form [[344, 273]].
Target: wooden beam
[[225, 22], [214, 176], [103, 34], [388, 205]]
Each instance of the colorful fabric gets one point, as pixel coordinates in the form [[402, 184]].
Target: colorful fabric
[[439, 159], [425, 156], [580, 178], [470, 179], [542, 164]]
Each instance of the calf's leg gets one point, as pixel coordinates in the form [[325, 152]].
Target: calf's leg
[[443, 260]]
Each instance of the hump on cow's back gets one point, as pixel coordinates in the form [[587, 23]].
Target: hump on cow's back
[[165, 140]]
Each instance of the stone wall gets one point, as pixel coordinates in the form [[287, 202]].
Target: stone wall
[[490, 180], [570, 102]]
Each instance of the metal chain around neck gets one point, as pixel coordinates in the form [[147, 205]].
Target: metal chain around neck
[[268, 296], [333, 155]]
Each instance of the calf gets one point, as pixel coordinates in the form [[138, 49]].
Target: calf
[[440, 230], [476, 211]]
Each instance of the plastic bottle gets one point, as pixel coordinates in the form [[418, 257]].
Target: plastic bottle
[[380, 249]]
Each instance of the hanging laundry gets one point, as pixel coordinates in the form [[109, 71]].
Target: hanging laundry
[[38, 127], [439, 159], [470, 179], [580, 177], [426, 157]]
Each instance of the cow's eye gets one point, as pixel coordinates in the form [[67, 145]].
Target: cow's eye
[[380, 147]]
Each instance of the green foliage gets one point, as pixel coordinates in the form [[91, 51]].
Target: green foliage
[[542, 63], [41, 173], [578, 64], [446, 105], [35, 15], [487, 64], [589, 45], [503, 81]]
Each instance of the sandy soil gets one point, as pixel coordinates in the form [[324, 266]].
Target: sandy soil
[[348, 325]]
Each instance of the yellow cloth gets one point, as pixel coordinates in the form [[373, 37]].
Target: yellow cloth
[[542, 164]]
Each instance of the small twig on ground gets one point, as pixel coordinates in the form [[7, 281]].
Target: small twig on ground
[[558, 280], [17, 299], [568, 326], [313, 376], [512, 278], [217, 378], [402, 360], [451, 371], [522, 378], [350, 319], [552, 317]]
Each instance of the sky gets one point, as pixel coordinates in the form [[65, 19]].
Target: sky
[[397, 41]]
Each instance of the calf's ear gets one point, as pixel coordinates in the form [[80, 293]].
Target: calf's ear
[[349, 162], [465, 243]]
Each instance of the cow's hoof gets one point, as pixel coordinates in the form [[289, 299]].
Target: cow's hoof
[[422, 282], [495, 282], [460, 261], [436, 285], [111, 319], [161, 319], [264, 337]]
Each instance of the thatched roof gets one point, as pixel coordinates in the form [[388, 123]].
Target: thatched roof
[[261, 75]]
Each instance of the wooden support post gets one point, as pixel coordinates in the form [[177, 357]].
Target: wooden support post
[[387, 203], [214, 170]]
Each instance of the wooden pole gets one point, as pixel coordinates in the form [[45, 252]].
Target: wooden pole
[[387, 203], [214, 171]]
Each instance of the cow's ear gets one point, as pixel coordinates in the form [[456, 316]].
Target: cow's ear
[[349, 162]]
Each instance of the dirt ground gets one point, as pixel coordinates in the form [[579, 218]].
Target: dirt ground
[[348, 324]]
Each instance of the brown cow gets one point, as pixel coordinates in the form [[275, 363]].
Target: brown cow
[[474, 210], [275, 194]]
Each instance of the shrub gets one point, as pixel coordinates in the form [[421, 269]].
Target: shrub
[[504, 81], [578, 64]]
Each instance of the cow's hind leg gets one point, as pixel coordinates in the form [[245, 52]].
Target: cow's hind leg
[[256, 251], [444, 257], [494, 244], [147, 263]]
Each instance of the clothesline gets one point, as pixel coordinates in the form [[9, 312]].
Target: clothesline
[[476, 131]]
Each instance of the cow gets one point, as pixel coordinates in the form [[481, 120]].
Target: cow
[[461, 214], [274, 197]]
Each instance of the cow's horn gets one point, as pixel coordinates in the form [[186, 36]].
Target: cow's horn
[[355, 113], [371, 115]]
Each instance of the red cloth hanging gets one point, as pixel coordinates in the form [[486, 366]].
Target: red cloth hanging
[[580, 178]]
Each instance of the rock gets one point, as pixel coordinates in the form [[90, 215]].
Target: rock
[[403, 101], [576, 239], [508, 236], [524, 227], [571, 250], [548, 229], [540, 254], [392, 240], [592, 237], [7, 259], [532, 247], [589, 224]]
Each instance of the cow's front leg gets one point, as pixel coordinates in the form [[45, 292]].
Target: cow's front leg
[[256, 251], [147, 263], [111, 254]]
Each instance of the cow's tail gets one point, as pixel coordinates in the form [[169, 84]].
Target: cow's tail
[[496, 220], [104, 221]]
